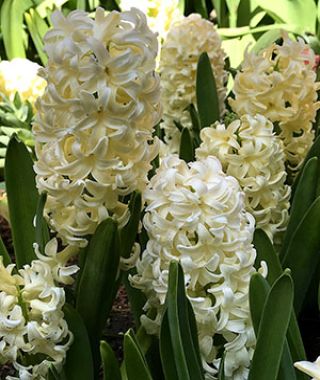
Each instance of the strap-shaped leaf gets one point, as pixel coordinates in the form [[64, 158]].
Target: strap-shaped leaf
[[201, 8], [302, 255], [221, 369], [111, 370], [182, 329], [22, 200], [186, 151], [206, 92], [266, 252], [304, 195], [96, 290], [272, 330], [37, 28], [4, 253], [136, 365], [42, 231], [12, 26], [79, 364]]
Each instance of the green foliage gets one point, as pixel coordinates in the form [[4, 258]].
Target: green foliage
[[111, 370]]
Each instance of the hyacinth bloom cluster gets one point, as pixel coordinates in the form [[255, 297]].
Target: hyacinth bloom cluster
[[31, 319], [195, 214], [249, 150], [160, 13], [185, 42], [280, 84], [21, 75], [311, 369], [94, 124]]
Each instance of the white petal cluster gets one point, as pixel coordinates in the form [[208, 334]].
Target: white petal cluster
[[280, 84], [160, 13], [31, 319], [58, 261], [180, 53], [311, 369], [249, 150], [94, 124], [21, 75], [195, 214]]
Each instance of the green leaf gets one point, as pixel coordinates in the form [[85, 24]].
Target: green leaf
[[97, 286], [111, 370], [4, 253], [182, 330], [22, 200], [221, 369], [272, 330], [302, 255], [129, 232], [233, 12], [12, 26], [266, 252], [244, 30], [298, 12], [37, 28], [186, 151], [206, 92], [221, 11], [136, 365], [79, 364], [166, 350], [304, 196], [81, 4], [181, 6], [196, 126], [42, 231], [201, 8], [266, 40]]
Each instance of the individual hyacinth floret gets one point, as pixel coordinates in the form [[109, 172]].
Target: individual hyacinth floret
[[310, 368], [31, 319], [21, 75], [94, 125], [249, 150], [195, 214], [280, 84], [186, 41]]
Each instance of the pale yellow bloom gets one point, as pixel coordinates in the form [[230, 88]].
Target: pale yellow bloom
[[160, 13], [249, 150], [195, 214], [185, 42], [31, 319], [21, 75], [95, 122], [280, 84], [311, 369]]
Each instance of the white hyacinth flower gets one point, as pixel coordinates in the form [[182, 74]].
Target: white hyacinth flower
[[31, 319], [95, 122], [160, 13], [186, 41], [21, 75], [195, 214], [280, 84], [311, 369], [249, 150]]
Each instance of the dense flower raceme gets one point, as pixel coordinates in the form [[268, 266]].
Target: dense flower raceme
[[21, 75], [31, 319], [160, 13], [94, 124], [250, 151], [195, 213], [311, 369], [280, 84], [180, 53]]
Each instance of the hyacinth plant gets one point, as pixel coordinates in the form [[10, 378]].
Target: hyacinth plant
[[204, 207]]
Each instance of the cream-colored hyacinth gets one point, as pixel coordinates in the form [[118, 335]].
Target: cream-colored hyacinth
[[21, 75], [185, 42], [280, 84], [94, 125], [311, 369], [31, 319], [195, 214], [160, 13], [249, 150]]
